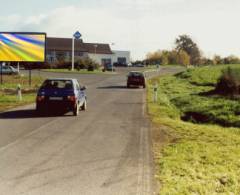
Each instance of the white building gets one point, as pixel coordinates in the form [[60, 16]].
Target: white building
[[61, 48]]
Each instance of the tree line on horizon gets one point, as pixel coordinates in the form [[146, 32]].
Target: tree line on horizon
[[186, 52]]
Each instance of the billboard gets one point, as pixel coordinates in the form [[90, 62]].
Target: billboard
[[22, 47]]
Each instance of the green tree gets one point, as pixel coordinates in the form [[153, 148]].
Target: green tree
[[183, 58], [185, 43], [217, 60], [173, 57], [164, 57], [231, 60], [206, 61]]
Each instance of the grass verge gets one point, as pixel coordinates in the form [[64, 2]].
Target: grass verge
[[8, 101], [198, 158], [8, 91]]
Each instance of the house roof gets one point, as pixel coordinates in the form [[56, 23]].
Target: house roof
[[99, 48], [65, 44]]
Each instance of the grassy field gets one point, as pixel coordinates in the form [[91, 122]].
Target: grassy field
[[13, 81], [8, 92], [198, 158]]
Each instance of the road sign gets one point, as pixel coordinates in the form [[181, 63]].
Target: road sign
[[77, 35]]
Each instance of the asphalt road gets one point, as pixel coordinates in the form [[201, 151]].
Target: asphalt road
[[105, 150]]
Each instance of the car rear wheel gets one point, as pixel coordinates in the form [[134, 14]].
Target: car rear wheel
[[84, 106], [76, 110], [39, 110]]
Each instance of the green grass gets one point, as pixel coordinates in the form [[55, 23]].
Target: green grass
[[8, 101], [205, 76], [8, 93], [199, 158], [186, 92], [13, 81], [83, 71]]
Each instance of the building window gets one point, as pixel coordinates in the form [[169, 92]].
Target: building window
[[51, 59], [79, 54], [106, 61], [122, 61]]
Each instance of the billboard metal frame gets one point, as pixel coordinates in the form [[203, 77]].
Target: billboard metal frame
[[29, 33]]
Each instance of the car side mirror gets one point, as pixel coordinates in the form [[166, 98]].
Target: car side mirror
[[83, 88]]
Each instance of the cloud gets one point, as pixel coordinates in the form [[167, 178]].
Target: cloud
[[139, 25]]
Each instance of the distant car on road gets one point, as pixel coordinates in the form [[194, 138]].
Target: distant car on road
[[8, 70], [64, 94], [119, 64], [136, 78]]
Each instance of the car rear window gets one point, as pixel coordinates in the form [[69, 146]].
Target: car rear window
[[57, 84], [136, 74]]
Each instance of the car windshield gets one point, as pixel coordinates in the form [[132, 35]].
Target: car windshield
[[57, 84], [6, 68]]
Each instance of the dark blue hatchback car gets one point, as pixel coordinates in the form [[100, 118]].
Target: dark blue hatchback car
[[61, 94]]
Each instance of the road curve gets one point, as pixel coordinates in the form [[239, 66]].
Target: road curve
[[105, 150]]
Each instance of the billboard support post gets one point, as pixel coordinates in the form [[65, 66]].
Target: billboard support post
[[18, 67], [30, 77], [1, 73]]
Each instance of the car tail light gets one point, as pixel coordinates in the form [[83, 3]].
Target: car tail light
[[72, 98], [40, 98]]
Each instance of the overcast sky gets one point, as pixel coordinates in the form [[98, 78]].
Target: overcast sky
[[140, 26]]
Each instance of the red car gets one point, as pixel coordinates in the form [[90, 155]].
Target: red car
[[136, 79]]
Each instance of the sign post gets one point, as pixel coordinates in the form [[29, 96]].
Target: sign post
[[77, 36]]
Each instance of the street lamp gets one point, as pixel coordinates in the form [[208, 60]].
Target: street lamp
[[112, 64], [95, 46], [95, 49]]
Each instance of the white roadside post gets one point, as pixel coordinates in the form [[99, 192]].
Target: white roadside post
[[155, 90], [19, 92], [77, 36]]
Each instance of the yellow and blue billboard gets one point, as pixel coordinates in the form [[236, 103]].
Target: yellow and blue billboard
[[22, 47]]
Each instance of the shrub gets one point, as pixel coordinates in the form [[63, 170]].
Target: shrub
[[85, 63], [88, 64], [36, 65], [229, 82], [63, 65]]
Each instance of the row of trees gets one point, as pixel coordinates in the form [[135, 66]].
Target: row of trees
[[186, 52], [165, 57]]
